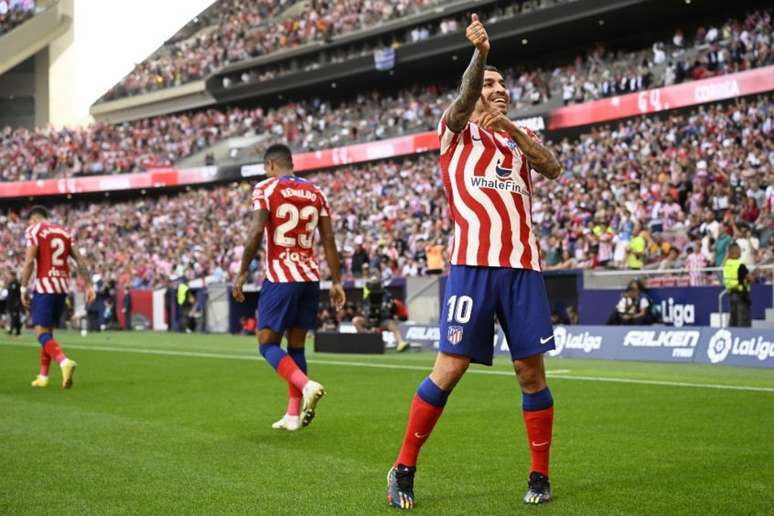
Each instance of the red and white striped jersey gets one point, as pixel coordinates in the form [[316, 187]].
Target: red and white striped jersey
[[295, 206], [488, 185], [52, 270]]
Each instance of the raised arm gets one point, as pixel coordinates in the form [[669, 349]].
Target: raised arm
[[459, 112], [254, 237], [338, 297], [83, 272]]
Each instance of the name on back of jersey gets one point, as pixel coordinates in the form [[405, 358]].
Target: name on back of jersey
[[299, 193], [49, 230]]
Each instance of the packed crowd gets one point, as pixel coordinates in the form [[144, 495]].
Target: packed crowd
[[645, 193], [14, 13], [240, 30], [317, 123], [396, 39]]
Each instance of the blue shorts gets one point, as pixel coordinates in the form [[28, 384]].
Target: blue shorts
[[47, 309], [282, 306], [475, 295]]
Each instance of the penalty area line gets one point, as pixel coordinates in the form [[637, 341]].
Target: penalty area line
[[557, 373]]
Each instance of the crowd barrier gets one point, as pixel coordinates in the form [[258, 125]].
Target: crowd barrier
[[701, 345]]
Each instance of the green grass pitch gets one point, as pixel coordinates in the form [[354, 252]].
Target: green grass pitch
[[181, 424]]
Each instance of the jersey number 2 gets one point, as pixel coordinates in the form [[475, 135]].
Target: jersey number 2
[[58, 245], [460, 309], [308, 214]]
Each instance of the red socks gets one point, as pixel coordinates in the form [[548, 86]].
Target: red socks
[[294, 400], [289, 370], [422, 419], [54, 351], [45, 362], [539, 425]]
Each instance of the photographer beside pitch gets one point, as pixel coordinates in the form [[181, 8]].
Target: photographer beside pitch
[[486, 163]]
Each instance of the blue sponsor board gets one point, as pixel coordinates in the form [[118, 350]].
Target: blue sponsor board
[[703, 345], [679, 306]]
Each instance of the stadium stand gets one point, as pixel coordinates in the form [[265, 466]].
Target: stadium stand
[[233, 31], [313, 124], [15, 12], [669, 181]]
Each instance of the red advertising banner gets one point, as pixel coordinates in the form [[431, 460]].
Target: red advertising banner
[[724, 87], [156, 178], [759, 80]]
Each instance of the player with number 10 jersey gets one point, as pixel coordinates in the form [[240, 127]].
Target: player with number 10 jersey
[[290, 210]]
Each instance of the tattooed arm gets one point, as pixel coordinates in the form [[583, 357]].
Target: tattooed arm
[[539, 156], [459, 112]]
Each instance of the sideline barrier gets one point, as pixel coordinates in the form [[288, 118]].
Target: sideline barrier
[[701, 345]]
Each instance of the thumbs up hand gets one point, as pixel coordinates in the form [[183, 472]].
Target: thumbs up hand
[[476, 34]]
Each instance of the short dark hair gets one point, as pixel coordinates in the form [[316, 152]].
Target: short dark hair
[[38, 210], [279, 152], [490, 68]]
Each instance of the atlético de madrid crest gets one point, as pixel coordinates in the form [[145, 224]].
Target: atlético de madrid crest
[[455, 335]]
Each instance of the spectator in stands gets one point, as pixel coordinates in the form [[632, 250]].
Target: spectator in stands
[[695, 262]]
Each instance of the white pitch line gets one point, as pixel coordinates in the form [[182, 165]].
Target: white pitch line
[[558, 373]]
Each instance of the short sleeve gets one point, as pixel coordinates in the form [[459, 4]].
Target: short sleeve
[[31, 235], [325, 208], [448, 138], [261, 196]]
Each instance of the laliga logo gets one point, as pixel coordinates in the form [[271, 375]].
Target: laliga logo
[[560, 337], [678, 314], [585, 341], [719, 346]]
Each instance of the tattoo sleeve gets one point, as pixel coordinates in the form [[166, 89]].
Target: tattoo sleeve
[[80, 262], [254, 239], [470, 90], [540, 157]]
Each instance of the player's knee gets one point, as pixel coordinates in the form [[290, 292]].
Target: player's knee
[[446, 373], [267, 336], [531, 379]]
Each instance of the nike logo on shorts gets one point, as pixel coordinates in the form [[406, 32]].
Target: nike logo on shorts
[[543, 341]]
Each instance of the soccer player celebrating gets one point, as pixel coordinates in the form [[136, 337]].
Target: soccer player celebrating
[[49, 246], [290, 209], [486, 162]]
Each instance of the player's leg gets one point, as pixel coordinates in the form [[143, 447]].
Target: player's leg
[[292, 419], [276, 311], [306, 320], [467, 330], [426, 408], [538, 412], [525, 316], [46, 311]]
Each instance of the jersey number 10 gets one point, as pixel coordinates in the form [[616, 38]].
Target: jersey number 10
[[460, 309], [307, 214]]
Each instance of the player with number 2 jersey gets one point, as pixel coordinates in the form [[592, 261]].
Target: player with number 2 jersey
[[49, 247], [290, 210]]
